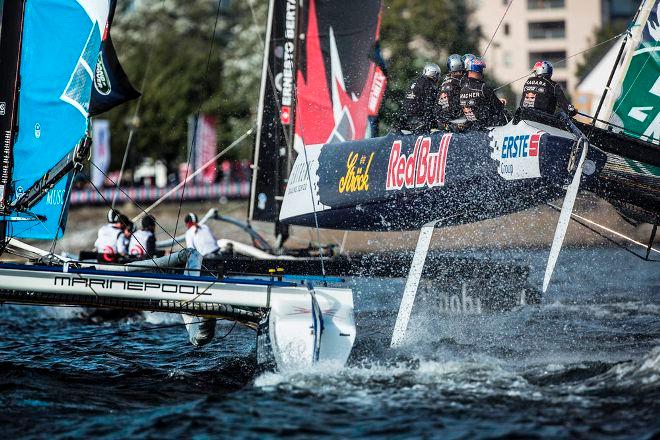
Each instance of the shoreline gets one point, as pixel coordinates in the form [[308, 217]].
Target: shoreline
[[530, 229]]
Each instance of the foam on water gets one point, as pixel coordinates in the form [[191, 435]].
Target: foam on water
[[585, 363]]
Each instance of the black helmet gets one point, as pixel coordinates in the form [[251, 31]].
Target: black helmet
[[191, 218], [113, 216], [148, 222], [125, 222]]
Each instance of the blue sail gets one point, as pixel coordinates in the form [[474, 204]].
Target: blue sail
[[60, 47]]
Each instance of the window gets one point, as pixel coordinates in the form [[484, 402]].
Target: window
[[545, 4], [506, 29], [506, 59], [557, 58], [539, 30]]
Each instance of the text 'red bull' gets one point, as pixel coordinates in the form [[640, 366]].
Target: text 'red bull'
[[420, 169]]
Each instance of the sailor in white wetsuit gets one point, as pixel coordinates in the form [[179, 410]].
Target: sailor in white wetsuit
[[143, 241], [199, 237], [108, 237]]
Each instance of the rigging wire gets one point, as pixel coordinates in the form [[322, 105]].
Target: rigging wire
[[639, 72], [199, 109], [151, 257], [288, 140], [498, 26], [566, 58], [582, 221], [611, 124], [138, 104]]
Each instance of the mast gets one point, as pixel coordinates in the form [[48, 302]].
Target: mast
[[10, 53], [619, 72], [274, 139], [260, 110]]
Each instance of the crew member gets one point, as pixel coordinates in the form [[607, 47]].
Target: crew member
[[108, 238], [200, 237], [143, 241], [540, 92], [449, 103], [481, 107], [418, 108], [125, 238], [465, 58]]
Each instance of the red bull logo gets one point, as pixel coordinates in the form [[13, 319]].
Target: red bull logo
[[420, 169], [521, 146]]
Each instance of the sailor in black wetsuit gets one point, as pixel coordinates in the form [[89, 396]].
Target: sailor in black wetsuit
[[540, 92], [418, 109], [449, 103], [481, 107]]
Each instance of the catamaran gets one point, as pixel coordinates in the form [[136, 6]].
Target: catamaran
[[338, 180], [52, 59], [449, 177]]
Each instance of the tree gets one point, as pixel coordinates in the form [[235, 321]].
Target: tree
[[170, 42]]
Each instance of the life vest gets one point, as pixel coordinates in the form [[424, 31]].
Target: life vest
[[539, 93], [201, 238], [106, 242], [449, 102], [142, 244]]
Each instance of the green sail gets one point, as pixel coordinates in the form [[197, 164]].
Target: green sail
[[637, 109]]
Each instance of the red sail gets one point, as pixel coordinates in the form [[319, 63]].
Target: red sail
[[338, 84]]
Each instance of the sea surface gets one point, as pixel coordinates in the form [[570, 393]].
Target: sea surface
[[583, 364]]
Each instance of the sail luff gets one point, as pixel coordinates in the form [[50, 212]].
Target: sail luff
[[634, 40], [260, 110], [10, 52], [275, 111]]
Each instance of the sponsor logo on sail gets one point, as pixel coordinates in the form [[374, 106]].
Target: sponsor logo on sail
[[524, 145], [289, 52], [101, 78], [422, 168], [357, 173]]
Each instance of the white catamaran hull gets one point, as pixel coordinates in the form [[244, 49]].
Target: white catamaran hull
[[305, 325]]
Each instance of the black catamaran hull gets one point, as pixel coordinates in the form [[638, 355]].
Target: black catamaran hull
[[402, 182]]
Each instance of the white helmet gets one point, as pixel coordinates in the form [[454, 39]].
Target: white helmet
[[455, 63], [432, 71], [543, 68], [113, 216]]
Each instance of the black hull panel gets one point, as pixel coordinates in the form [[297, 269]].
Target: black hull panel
[[403, 182]]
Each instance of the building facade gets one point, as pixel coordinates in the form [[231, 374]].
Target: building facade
[[554, 30]]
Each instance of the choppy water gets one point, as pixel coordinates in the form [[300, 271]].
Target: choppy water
[[586, 363]]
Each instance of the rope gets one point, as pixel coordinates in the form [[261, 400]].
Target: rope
[[567, 58], [138, 104], [498, 27], [288, 140], [577, 220], [199, 109]]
